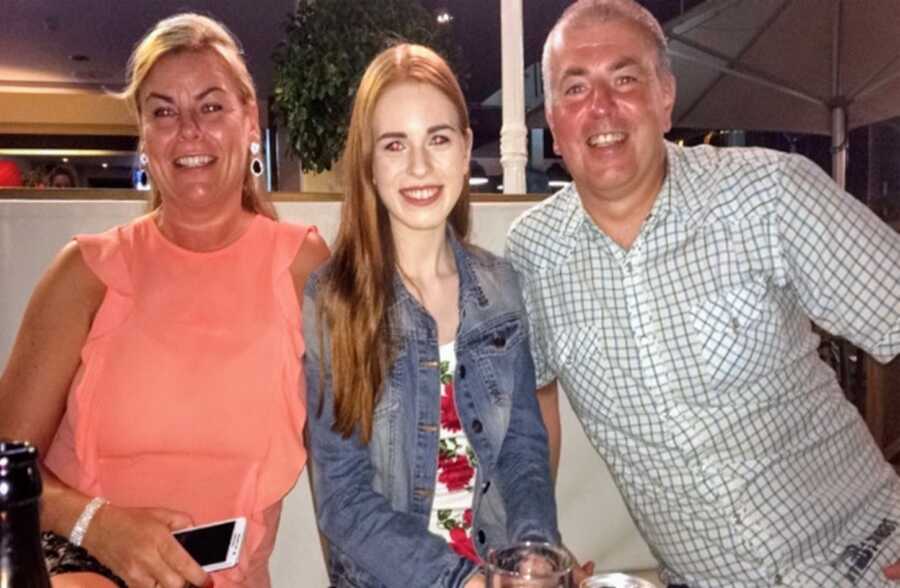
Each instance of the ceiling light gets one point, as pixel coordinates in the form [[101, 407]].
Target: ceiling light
[[444, 17], [65, 160], [478, 181], [104, 165], [38, 152], [557, 183]]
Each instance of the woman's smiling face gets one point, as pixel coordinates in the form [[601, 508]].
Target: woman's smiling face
[[195, 128], [420, 156]]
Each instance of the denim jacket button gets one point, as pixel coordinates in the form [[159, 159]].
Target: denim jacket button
[[485, 487], [462, 372], [499, 341], [481, 537], [476, 426]]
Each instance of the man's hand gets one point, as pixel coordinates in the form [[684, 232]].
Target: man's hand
[[892, 572], [582, 571]]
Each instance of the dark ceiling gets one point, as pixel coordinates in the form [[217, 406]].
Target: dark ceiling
[[476, 28], [38, 38]]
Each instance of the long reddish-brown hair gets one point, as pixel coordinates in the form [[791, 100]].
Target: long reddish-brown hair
[[357, 289]]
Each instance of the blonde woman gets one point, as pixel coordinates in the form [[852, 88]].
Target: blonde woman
[[158, 364]]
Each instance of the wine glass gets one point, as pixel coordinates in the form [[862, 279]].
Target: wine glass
[[529, 565]]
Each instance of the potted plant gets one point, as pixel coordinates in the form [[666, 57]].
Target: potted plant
[[327, 46]]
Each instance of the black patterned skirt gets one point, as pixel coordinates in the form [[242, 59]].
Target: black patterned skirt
[[64, 557]]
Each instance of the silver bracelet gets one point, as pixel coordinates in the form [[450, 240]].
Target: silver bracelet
[[84, 520]]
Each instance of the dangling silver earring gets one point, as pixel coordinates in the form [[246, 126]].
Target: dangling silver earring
[[256, 164]]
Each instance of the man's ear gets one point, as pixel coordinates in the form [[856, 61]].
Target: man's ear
[[548, 115], [668, 88]]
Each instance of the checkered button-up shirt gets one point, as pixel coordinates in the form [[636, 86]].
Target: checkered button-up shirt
[[691, 362]]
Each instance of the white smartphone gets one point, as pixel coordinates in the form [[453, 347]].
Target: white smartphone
[[215, 546]]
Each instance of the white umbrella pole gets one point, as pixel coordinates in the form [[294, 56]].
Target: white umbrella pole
[[839, 145], [838, 113], [513, 135]]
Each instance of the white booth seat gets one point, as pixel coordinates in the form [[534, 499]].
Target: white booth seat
[[593, 519]]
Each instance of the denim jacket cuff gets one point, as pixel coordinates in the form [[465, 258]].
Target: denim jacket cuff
[[457, 576], [535, 530]]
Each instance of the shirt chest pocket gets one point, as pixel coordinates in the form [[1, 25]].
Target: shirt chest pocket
[[738, 336]]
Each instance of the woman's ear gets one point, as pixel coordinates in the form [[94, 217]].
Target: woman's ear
[[251, 113]]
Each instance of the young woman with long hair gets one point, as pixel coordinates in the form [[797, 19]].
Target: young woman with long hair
[[427, 443]]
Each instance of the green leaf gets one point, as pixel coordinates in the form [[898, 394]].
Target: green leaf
[[326, 47]]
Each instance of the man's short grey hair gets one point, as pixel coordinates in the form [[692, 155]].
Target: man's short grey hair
[[588, 11]]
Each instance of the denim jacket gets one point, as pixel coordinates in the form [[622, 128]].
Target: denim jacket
[[373, 501]]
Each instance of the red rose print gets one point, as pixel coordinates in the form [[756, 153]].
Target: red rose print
[[467, 518], [446, 460], [461, 543], [449, 417], [455, 472]]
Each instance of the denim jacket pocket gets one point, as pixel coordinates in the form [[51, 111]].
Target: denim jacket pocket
[[385, 430], [497, 350]]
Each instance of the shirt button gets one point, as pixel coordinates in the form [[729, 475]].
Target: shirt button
[[462, 372], [476, 426], [499, 341], [737, 519], [778, 580], [481, 536], [627, 267]]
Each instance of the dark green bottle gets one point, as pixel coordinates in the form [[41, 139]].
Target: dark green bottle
[[21, 556]]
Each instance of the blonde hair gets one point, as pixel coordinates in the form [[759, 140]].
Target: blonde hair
[[357, 290], [195, 32]]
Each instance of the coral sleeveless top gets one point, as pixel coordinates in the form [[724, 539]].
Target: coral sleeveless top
[[190, 393]]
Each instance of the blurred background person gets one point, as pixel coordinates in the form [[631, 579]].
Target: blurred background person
[[157, 367], [10, 174], [61, 177]]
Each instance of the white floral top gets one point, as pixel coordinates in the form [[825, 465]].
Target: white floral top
[[451, 511]]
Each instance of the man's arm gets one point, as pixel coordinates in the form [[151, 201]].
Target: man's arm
[[843, 261], [548, 399]]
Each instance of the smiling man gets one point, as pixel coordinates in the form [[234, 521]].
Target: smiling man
[[671, 293]]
